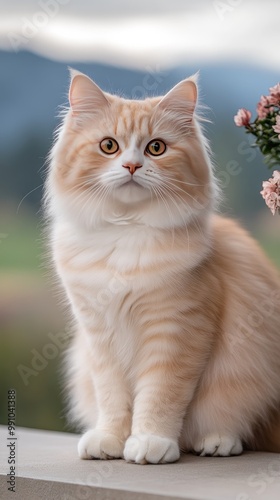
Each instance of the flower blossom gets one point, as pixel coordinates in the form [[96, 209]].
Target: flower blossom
[[242, 118], [276, 127], [275, 94], [264, 106], [271, 192], [266, 130]]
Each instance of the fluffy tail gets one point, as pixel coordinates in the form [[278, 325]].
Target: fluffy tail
[[268, 439]]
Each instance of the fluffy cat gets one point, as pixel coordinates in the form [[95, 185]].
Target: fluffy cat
[[177, 343]]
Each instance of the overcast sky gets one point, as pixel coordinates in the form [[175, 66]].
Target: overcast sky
[[146, 32]]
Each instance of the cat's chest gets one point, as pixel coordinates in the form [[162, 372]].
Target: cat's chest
[[108, 279], [116, 275], [118, 261], [114, 280]]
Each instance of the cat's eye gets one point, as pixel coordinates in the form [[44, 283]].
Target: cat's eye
[[109, 146], [156, 147]]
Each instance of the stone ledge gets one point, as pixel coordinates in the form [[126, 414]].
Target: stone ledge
[[48, 468]]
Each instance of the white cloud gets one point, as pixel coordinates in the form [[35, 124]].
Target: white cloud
[[145, 33]]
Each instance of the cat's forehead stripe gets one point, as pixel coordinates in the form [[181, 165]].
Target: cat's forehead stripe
[[131, 119]]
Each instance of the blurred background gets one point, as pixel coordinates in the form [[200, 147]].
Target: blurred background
[[136, 48]]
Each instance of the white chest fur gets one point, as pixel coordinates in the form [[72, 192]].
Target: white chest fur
[[111, 273]]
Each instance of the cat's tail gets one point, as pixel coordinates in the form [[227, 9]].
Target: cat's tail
[[268, 439], [272, 438]]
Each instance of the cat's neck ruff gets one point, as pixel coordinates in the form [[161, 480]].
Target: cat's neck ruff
[[126, 244]]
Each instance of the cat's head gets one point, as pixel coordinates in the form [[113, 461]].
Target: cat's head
[[121, 161]]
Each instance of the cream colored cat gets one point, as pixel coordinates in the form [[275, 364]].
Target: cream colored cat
[[177, 313]]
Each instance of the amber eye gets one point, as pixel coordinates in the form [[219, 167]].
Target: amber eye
[[109, 146], [156, 147]]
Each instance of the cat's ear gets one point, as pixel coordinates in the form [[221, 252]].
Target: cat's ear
[[84, 95], [181, 98]]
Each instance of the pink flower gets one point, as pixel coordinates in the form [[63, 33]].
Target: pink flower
[[271, 192], [242, 118], [264, 106], [275, 94], [276, 127]]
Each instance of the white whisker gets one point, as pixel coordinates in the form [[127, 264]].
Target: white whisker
[[165, 176], [186, 205]]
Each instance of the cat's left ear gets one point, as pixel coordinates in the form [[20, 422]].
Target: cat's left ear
[[181, 98]]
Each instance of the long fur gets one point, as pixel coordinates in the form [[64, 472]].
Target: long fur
[[176, 308]]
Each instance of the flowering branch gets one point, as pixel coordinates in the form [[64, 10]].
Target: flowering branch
[[266, 129], [266, 126], [271, 192]]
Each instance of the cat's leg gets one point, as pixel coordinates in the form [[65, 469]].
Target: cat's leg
[[159, 409], [113, 401], [216, 419], [231, 398], [210, 428], [165, 385]]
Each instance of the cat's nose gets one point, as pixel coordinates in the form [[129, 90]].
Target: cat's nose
[[132, 167]]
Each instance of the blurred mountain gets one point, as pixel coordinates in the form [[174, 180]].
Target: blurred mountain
[[32, 88]]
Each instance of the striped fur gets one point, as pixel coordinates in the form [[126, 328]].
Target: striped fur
[[177, 342]]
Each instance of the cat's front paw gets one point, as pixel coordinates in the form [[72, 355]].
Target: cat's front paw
[[216, 445], [148, 448], [99, 444]]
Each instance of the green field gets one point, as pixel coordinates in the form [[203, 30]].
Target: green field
[[271, 247], [21, 244]]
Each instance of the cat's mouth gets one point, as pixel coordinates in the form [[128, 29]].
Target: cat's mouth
[[131, 182], [131, 190]]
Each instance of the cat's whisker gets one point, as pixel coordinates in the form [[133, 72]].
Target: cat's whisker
[[167, 195], [189, 209], [98, 203], [88, 180], [157, 190], [173, 186], [98, 193], [79, 187], [165, 176], [103, 197], [91, 193], [162, 189], [171, 196], [87, 197], [85, 192], [177, 188]]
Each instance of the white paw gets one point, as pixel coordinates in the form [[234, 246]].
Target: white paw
[[217, 445], [147, 448], [99, 444]]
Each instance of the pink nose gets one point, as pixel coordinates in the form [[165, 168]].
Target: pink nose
[[132, 166]]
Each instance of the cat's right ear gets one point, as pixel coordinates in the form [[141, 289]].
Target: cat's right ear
[[84, 95]]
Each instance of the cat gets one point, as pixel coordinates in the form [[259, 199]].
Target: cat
[[177, 338]]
